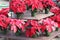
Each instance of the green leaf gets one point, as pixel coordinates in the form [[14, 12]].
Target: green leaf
[[18, 33], [33, 13], [34, 36], [57, 29]]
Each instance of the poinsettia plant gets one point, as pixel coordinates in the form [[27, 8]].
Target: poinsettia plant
[[48, 4], [4, 23], [18, 7], [4, 11], [55, 10], [32, 28], [17, 26], [34, 5], [56, 18], [48, 26]]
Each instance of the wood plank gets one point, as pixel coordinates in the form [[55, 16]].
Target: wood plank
[[39, 16], [53, 34]]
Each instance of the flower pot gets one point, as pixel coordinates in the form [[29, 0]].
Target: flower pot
[[12, 15], [28, 7], [33, 13], [4, 32], [34, 36], [47, 33], [46, 10], [19, 15], [18, 33], [57, 29]]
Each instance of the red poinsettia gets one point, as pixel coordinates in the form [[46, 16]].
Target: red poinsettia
[[55, 10], [48, 3], [58, 25], [30, 32], [53, 18], [17, 24], [51, 3], [17, 6], [28, 2], [4, 11], [58, 18], [4, 21], [32, 26], [34, 4]]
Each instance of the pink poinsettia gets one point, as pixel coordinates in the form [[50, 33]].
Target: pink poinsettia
[[49, 25], [16, 23]]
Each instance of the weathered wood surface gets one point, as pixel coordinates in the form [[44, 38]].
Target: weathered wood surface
[[53, 35], [38, 16]]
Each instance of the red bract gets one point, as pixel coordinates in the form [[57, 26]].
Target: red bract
[[4, 21], [28, 2], [15, 24], [35, 4], [32, 26], [53, 18], [40, 5], [20, 5], [17, 6], [51, 3], [58, 18], [30, 32], [4, 11], [43, 28], [58, 25], [48, 3], [55, 10]]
